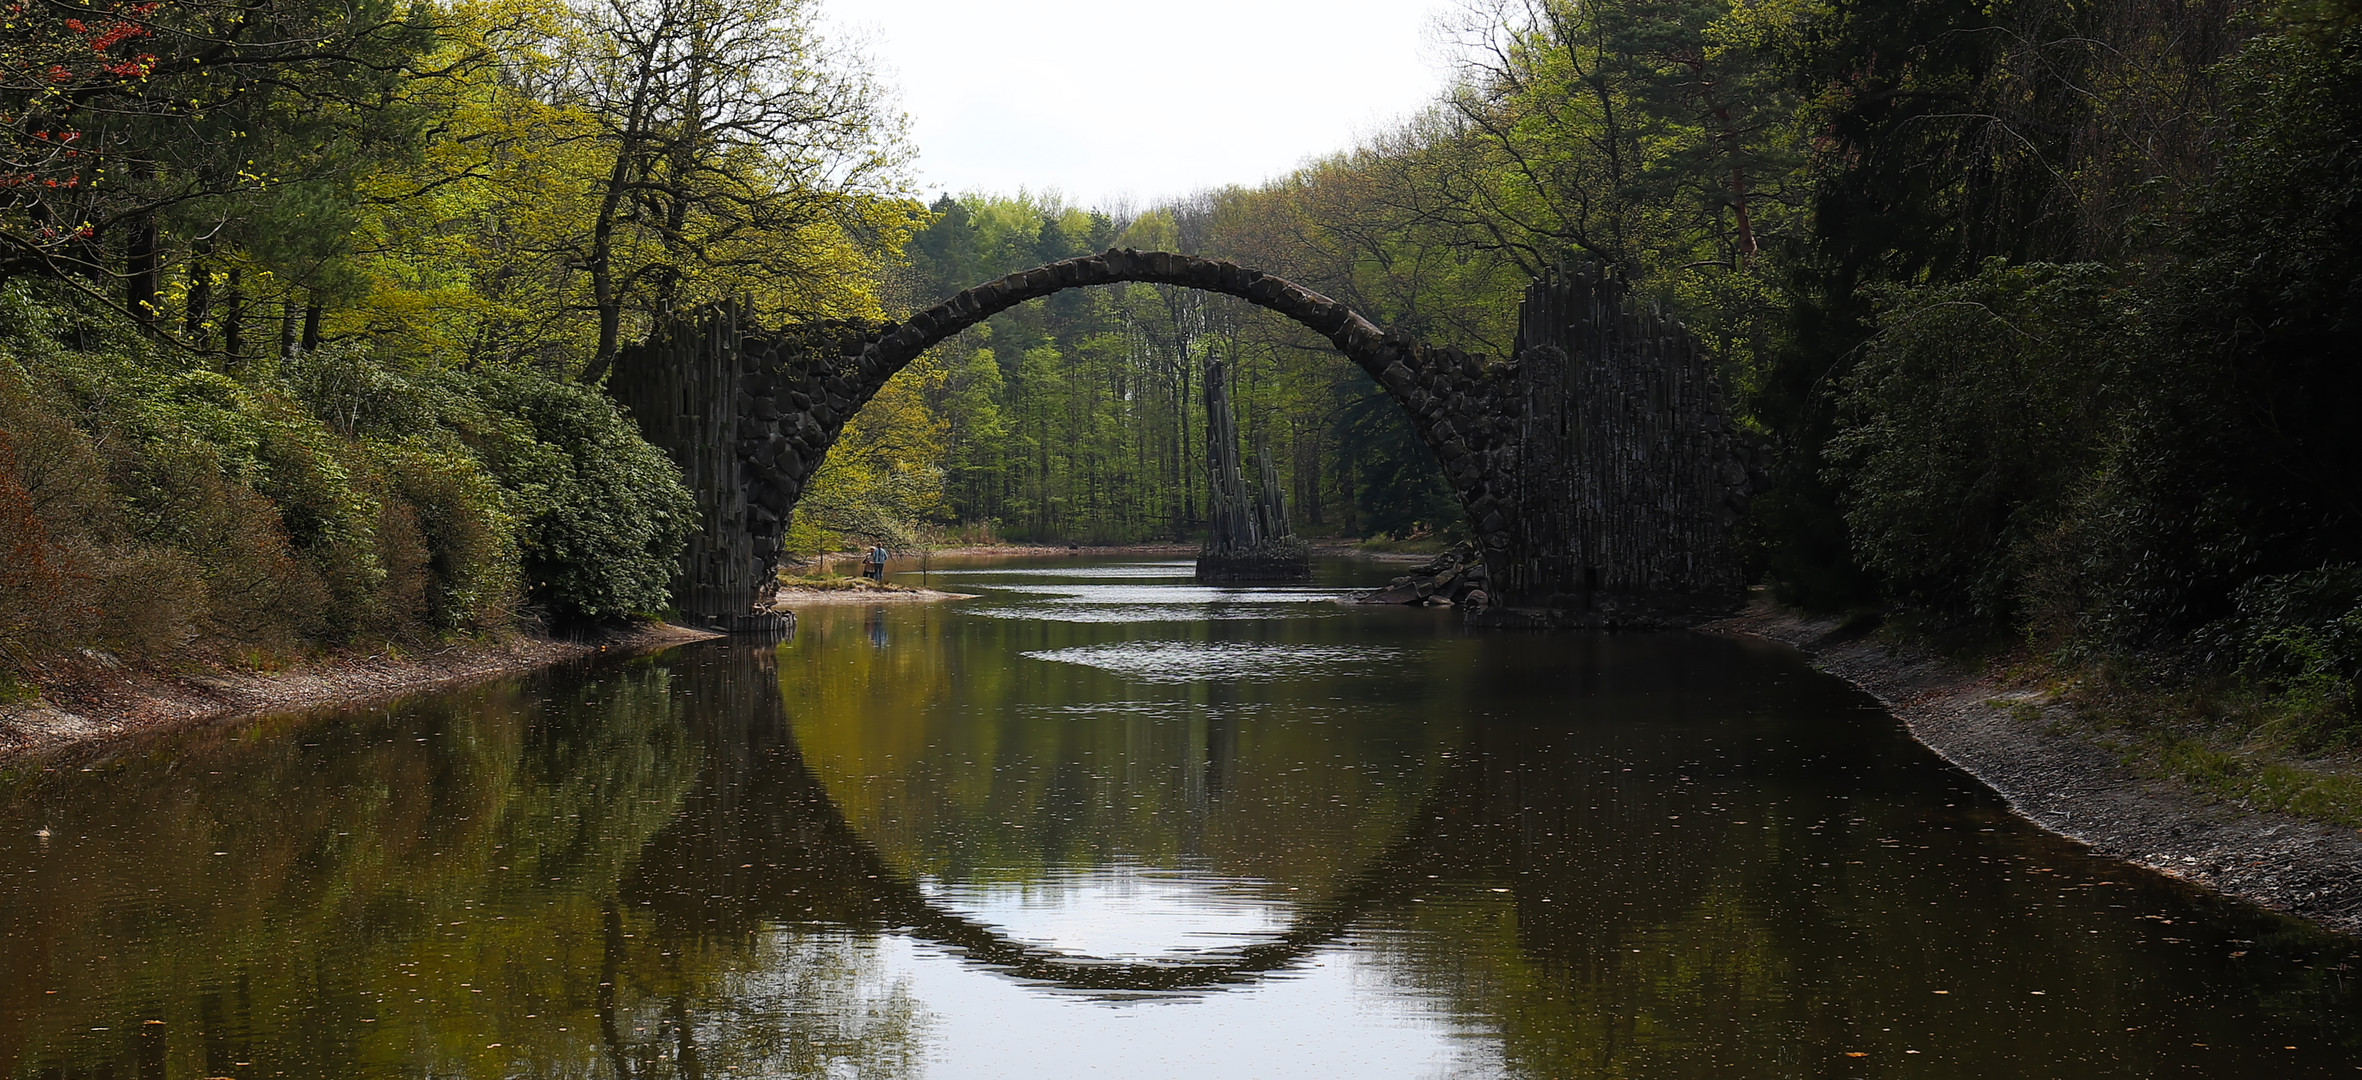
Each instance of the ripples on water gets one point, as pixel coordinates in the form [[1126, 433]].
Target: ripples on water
[[1220, 661], [1092, 824]]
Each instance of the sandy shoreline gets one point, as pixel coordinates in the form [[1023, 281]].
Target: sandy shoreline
[[2016, 744]]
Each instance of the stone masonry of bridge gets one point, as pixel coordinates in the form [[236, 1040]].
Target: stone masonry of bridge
[[1598, 467]]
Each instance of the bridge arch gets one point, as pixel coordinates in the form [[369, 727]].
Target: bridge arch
[[1597, 464]]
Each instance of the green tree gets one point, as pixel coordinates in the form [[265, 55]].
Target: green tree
[[206, 152], [741, 152]]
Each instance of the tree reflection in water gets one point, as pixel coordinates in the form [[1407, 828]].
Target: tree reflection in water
[[427, 890]]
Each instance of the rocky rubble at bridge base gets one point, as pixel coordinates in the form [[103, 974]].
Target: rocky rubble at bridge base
[[1458, 577], [1455, 577]]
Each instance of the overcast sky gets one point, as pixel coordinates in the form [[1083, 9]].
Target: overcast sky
[[1102, 99]]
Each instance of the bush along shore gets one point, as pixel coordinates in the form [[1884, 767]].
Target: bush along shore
[[162, 520]]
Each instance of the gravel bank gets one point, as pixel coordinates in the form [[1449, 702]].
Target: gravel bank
[[2064, 782]]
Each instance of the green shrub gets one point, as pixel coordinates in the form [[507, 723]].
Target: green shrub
[[514, 464], [469, 534], [359, 394], [167, 512], [2296, 639], [2239, 464], [602, 514], [1971, 423], [259, 593]]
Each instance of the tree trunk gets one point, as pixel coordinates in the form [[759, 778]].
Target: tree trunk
[[142, 278], [233, 319], [200, 304]]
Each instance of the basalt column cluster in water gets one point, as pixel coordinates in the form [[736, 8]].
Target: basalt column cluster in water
[[1598, 468]]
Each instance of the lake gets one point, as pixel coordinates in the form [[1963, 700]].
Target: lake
[[1101, 821]]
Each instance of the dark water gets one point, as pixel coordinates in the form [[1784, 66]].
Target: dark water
[[1102, 823]]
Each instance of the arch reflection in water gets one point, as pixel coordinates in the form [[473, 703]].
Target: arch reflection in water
[[761, 840]]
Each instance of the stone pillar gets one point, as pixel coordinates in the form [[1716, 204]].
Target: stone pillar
[[688, 388], [1629, 477]]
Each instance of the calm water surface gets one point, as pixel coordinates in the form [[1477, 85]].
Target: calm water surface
[[1102, 822]]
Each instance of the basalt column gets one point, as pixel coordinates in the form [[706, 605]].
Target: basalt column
[[1628, 476], [1248, 537], [689, 389]]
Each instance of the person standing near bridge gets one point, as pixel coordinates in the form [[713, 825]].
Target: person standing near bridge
[[874, 567]]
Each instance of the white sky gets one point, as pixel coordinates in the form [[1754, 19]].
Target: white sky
[[1104, 99]]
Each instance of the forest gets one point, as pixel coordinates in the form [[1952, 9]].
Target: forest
[[308, 307]]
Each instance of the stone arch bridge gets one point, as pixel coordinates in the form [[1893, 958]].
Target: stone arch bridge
[[1597, 465]]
